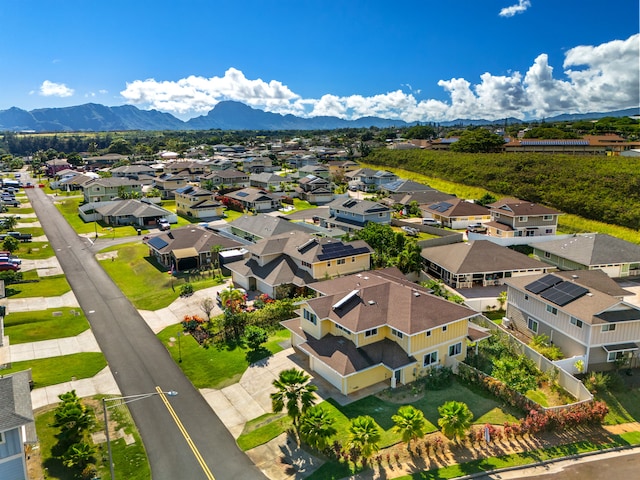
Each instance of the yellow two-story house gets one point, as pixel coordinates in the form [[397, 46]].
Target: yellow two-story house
[[376, 327]]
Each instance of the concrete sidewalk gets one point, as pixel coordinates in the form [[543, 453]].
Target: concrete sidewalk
[[85, 342], [34, 304]]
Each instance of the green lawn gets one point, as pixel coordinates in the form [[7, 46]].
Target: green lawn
[[146, 283], [52, 286], [130, 460], [624, 406], [54, 370], [34, 231], [213, 367], [34, 250], [23, 327], [485, 408]]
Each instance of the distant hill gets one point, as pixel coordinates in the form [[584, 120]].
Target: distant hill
[[226, 115]]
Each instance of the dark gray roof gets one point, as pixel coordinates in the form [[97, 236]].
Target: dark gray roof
[[264, 226], [15, 401], [593, 249], [131, 207]]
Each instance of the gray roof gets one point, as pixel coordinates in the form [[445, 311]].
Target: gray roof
[[593, 249], [480, 256], [135, 208], [280, 271], [264, 226], [15, 401], [362, 207], [191, 237]]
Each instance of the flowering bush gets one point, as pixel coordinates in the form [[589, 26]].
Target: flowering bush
[[191, 323]]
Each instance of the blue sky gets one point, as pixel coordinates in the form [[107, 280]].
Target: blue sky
[[414, 60]]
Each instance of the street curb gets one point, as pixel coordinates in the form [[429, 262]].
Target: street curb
[[548, 462]]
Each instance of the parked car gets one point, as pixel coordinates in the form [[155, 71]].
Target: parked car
[[23, 237], [8, 259], [431, 222], [410, 231], [476, 228], [9, 266], [164, 226]]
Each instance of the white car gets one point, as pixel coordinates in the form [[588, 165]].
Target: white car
[[432, 222], [410, 231]]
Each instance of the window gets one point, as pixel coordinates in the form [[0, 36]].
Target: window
[[371, 333], [428, 333], [609, 327], [547, 255], [328, 264], [444, 329], [548, 231], [430, 359], [341, 261], [353, 259], [552, 310], [526, 297], [396, 333], [306, 264], [455, 349], [522, 219], [613, 356], [576, 322], [547, 218], [340, 327], [1, 438], [311, 317], [532, 325]]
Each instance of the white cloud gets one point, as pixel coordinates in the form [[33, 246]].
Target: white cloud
[[51, 89], [521, 7], [594, 78]]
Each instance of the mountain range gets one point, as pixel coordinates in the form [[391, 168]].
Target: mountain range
[[227, 115]]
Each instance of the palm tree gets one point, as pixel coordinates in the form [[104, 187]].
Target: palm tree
[[293, 393], [410, 422], [364, 434], [231, 298], [455, 419], [502, 299], [9, 223], [316, 427]]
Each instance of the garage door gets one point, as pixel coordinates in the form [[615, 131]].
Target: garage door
[[327, 373]]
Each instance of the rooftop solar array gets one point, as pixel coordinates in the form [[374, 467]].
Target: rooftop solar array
[[340, 250], [564, 293], [556, 290], [542, 284], [157, 243], [441, 207], [242, 194], [560, 142]]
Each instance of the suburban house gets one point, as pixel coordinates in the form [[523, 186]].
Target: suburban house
[[73, 183], [197, 202], [125, 212], [292, 260], [405, 186], [133, 171], [188, 248], [255, 199], [369, 180], [583, 312], [314, 189], [341, 167], [267, 181], [17, 425], [376, 327], [351, 214], [103, 189], [253, 228], [217, 164], [457, 214], [478, 263], [167, 183], [301, 161], [609, 144], [258, 165], [511, 217], [317, 170], [592, 251], [229, 178], [54, 166], [422, 198], [190, 170]]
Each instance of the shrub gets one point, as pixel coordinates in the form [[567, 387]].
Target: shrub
[[186, 290], [438, 378]]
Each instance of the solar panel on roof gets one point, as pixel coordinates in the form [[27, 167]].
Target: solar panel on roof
[[542, 284], [564, 293], [242, 194], [157, 243]]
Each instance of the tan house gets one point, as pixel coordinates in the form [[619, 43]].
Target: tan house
[[376, 327], [103, 189], [167, 183], [511, 217], [294, 259], [457, 214], [197, 202]]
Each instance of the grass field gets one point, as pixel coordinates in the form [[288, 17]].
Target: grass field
[[52, 286], [145, 283], [23, 327], [34, 250], [55, 370], [213, 367]]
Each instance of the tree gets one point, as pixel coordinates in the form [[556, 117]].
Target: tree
[[10, 244], [410, 422], [78, 455], [71, 416], [410, 259], [206, 305], [486, 199], [293, 393], [502, 299], [231, 299], [364, 434], [316, 427], [255, 336], [9, 223], [423, 132], [479, 140], [215, 254], [455, 419], [516, 372]]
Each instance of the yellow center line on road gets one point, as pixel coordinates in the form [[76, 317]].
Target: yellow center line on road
[[185, 434]]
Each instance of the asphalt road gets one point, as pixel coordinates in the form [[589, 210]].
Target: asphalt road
[[139, 363]]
